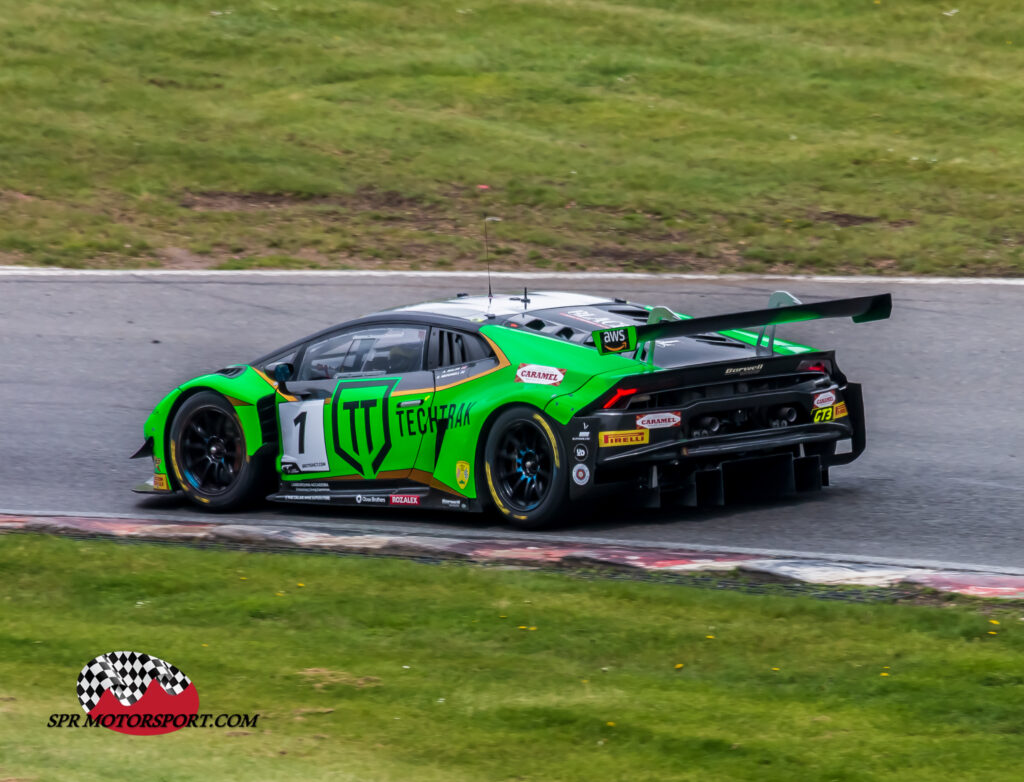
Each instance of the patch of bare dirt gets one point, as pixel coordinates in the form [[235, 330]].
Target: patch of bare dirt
[[321, 677], [847, 220], [364, 199]]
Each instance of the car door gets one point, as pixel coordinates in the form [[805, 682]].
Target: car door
[[355, 389], [456, 412]]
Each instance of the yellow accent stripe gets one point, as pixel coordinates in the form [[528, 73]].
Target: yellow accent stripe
[[551, 435], [273, 384]]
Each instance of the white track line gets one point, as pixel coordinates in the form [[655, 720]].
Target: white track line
[[428, 530], [37, 271]]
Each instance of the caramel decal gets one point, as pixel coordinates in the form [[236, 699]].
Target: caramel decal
[[539, 375]]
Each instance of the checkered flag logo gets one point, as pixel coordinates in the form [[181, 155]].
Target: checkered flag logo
[[128, 675]]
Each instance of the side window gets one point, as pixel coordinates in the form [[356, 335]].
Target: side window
[[454, 348], [378, 350]]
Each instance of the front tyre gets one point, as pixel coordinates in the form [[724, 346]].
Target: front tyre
[[526, 470], [208, 454]]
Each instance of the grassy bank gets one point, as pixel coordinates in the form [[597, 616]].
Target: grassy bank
[[814, 135], [389, 670]]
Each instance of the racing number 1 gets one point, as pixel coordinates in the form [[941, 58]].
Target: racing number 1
[[300, 421], [302, 436]]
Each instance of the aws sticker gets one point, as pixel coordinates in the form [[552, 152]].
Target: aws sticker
[[462, 474], [581, 475], [539, 375], [140, 687], [628, 437]]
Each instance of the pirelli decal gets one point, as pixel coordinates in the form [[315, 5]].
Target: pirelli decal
[[626, 437]]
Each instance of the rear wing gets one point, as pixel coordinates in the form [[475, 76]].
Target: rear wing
[[626, 339]]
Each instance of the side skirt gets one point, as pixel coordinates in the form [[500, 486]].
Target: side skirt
[[412, 496]]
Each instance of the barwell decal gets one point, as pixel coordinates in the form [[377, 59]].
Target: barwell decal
[[539, 375], [750, 368]]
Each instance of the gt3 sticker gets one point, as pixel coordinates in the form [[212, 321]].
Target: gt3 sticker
[[825, 399], [658, 420], [462, 474], [581, 475], [539, 375], [629, 437], [302, 436], [830, 413]]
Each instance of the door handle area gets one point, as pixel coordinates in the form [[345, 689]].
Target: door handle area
[[412, 402]]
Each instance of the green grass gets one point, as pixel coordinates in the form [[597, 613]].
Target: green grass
[[518, 703], [812, 135]]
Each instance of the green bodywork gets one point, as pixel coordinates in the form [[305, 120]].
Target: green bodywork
[[437, 442]]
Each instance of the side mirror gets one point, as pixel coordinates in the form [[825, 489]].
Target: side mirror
[[282, 373]]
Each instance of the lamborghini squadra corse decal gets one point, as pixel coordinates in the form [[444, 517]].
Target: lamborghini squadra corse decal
[[658, 420], [539, 375]]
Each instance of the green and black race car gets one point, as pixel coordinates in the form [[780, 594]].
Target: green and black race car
[[522, 403]]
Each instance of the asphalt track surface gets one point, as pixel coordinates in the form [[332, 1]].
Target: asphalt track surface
[[85, 358]]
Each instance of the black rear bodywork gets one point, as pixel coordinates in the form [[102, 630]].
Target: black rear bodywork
[[723, 432]]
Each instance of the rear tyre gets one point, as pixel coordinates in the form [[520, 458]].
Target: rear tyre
[[208, 454], [526, 469]]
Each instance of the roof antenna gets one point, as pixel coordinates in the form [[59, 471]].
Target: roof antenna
[[487, 257]]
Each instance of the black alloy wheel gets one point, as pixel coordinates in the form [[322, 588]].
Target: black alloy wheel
[[208, 454]]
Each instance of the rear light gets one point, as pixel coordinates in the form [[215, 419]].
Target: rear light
[[619, 395], [815, 365]]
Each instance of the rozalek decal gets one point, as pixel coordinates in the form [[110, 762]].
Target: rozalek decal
[[630, 437], [462, 474], [420, 421], [539, 375], [825, 399], [361, 423], [580, 452], [744, 370], [659, 420], [302, 436], [404, 499], [160, 482], [370, 499], [581, 475]]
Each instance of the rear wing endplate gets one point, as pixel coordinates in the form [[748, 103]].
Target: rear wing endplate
[[861, 309]]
